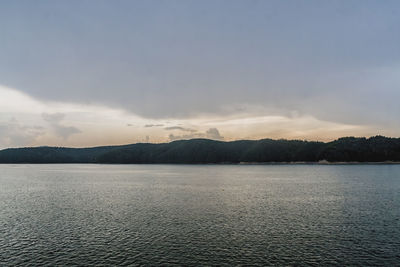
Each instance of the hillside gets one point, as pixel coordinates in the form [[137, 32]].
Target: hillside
[[347, 149]]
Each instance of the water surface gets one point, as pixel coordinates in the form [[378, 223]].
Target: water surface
[[199, 215]]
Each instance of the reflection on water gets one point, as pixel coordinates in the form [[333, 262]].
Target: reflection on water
[[199, 215]]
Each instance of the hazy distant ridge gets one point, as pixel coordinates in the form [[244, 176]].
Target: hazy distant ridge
[[347, 149]]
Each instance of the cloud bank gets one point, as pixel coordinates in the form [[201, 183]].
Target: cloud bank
[[34, 122], [335, 61], [246, 69]]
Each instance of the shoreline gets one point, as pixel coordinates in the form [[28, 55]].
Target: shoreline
[[220, 163]]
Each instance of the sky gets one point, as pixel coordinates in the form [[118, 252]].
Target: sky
[[87, 73]]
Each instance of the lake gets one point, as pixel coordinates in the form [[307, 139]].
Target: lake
[[200, 215]]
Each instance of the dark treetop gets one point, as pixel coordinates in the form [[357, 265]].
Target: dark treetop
[[347, 149]]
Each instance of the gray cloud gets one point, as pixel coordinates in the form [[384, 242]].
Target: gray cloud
[[211, 133], [153, 125], [180, 129], [53, 117], [54, 120], [189, 62], [13, 133]]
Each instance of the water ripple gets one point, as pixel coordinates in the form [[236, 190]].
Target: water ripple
[[199, 215]]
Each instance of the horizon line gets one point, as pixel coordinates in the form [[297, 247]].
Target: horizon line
[[207, 139]]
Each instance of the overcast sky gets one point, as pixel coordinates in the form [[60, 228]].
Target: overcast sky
[[83, 73]]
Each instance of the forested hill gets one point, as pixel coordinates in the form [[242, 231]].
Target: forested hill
[[347, 149]]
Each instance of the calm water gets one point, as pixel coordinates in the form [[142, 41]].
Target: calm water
[[199, 215]]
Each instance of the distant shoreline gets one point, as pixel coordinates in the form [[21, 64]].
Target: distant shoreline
[[343, 151], [323, 163], [220, 163]]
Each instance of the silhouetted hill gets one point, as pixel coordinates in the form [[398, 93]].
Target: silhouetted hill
[[347, 149]]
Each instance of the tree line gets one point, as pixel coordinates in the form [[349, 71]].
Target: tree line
[[194, 151]]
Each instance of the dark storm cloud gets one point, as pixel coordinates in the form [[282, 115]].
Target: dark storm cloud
[[335, 60]]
